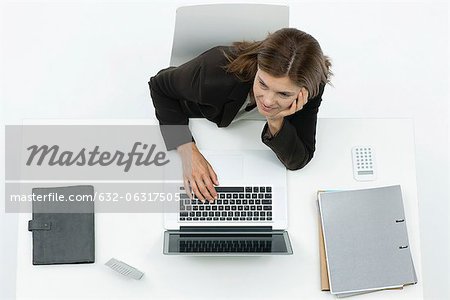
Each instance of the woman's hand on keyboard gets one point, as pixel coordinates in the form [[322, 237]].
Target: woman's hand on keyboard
[[198, 174]]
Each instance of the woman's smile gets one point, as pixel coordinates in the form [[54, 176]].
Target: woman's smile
[[264, 107]]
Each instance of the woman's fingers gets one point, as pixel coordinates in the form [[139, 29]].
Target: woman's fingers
[[197, 191], [294, 107], [210, 187], [213, 174], [187, 187], [289, 111], [204, 188], [199, 176]]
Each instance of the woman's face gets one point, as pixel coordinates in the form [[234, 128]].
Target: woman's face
[[273, 94]]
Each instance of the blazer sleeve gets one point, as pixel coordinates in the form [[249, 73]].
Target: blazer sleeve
[[168, 88], [295, 143]]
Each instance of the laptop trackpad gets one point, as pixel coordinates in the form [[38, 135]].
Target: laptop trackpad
[[227, 167]]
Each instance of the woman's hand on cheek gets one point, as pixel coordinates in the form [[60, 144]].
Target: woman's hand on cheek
[[302, 99], [297, 104]]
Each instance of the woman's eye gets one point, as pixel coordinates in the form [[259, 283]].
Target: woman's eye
[[263, 85], [284, 95]]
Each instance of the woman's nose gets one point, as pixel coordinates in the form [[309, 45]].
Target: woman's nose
[[268, 100]]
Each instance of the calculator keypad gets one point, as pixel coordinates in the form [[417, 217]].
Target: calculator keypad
[[364, 159], [363, 163]]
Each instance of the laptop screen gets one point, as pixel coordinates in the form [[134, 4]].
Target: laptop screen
[[267, 243]]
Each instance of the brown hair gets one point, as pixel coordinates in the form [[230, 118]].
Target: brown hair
[[286, 52]]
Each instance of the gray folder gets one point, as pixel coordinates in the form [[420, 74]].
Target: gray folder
[[366, 240]]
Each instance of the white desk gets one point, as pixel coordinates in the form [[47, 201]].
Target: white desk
[[137, 238]]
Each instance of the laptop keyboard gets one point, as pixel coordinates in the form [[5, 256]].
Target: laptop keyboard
[[225, 246], [249, 204]]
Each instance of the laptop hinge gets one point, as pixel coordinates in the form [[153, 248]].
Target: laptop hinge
[[226, 228]]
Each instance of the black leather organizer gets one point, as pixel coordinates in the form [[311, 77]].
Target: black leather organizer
[[63, 231]]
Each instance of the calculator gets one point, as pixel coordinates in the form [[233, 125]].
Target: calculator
[[363, 158]]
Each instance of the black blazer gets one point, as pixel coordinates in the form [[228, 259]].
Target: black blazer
[[202, 88]]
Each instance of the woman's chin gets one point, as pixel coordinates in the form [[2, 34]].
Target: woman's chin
[[265, 113]]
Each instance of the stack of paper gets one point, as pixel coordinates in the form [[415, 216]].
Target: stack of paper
[[365, 241]]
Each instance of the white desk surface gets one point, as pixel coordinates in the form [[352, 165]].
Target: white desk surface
[[138, 238]]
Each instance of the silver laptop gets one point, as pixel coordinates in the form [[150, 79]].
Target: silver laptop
[[248, 218]]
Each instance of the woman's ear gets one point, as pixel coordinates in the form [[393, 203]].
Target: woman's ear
[[302, 96], [305, 94]]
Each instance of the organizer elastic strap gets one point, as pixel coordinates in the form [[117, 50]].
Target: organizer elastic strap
[[38, 225]]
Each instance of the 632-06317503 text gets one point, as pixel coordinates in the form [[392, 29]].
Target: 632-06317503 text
[[152, 197], [102, 197]]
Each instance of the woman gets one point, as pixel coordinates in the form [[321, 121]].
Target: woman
[[282, 76]]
